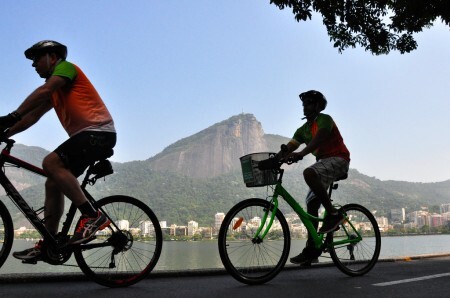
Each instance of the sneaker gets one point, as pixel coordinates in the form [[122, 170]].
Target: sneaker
[[88, 226], [308, 256], [33, 253], [331, 222]]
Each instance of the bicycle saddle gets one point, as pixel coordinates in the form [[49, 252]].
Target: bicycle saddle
[[343, 177]]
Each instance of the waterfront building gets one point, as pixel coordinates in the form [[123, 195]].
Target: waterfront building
[[178, 230], [218, 218], [146, 228], [383, 223], [419, 218], [192, 228], [444, 208], [398, 215], [435, 220]]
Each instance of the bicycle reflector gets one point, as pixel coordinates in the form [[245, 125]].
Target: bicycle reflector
[[238, 223]]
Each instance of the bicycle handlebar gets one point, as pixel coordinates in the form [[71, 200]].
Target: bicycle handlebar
[[9, 142], [275, 163]]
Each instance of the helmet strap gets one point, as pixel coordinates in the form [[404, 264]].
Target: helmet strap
[[49, 67], [48, 60]]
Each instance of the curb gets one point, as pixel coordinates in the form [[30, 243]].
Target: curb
[[75, 276]]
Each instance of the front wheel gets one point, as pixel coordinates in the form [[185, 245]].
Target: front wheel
[[360, 241], [247, 258], [6, 233], [127, 250]]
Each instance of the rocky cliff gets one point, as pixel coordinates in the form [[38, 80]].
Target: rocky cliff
[[213, 151]]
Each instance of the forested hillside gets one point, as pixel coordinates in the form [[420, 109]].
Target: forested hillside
[[178, 194]]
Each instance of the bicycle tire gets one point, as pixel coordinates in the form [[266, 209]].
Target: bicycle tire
[[359, 258], [6, 233], [249, 261], [125, 261]]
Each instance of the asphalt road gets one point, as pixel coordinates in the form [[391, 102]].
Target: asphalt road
[[421, 277]]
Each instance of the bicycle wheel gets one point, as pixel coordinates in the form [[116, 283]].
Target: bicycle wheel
[[6, 233], [358, 258], [248, 259], [122, 258]]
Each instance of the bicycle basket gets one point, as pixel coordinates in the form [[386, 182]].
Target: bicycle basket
[[253, 176]]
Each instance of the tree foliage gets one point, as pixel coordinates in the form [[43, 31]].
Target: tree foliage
[[377, 25]]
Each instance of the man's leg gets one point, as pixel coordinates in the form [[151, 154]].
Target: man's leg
[[54, 209], [310, 253], [61, 177], [67, 183], [312, 207], [318, 177], [315, 183], [54, 206]]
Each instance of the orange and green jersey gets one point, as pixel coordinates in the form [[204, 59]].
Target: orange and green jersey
[[333, 147], [78, 105]]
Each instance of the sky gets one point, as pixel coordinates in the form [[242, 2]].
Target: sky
[[169, 69]]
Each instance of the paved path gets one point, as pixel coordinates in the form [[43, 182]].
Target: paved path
[[416, 277]]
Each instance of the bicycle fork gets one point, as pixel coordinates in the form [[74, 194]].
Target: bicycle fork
[[266, 221]]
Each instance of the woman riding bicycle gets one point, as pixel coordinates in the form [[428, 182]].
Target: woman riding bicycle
[[89, 125], [324, 141]]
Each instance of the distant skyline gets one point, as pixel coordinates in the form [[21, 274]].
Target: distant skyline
[[168, 70]]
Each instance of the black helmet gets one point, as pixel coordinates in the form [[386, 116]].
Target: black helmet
[[46, 46], [316, 96]]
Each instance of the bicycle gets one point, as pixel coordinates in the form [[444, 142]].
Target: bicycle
[[254, 237], [120, 255]]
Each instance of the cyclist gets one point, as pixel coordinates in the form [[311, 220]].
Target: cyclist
[[324, 141], [91, 131]]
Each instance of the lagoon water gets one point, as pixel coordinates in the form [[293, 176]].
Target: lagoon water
[[180, 255]]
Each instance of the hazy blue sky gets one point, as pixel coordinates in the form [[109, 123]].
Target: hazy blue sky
[[168, 69]]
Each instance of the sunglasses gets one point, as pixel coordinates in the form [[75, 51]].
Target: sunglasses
[[308, 101], [38, 57]]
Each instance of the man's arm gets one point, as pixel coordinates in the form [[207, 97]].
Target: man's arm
[[291, 146], [41, 96], [322, 135], [36, 104], [29, 119]]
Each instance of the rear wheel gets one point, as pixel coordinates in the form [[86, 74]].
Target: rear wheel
[[359, 257], [124, 253], [248, 259]]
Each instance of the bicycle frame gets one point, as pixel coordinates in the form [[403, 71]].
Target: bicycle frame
[[305, 217], [32, 215], [7, 160]]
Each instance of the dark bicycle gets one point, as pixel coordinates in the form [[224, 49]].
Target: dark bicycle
[[118, 256]]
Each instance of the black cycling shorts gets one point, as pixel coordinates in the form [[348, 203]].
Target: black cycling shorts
[[83, 149]]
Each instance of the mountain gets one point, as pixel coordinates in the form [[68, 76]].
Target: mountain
[[200, 175], [23, 179], [214, 151]]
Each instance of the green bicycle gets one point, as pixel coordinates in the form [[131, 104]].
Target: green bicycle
[[254, 238]]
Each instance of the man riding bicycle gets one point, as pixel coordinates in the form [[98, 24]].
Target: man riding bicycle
[[91, 131], [324, 141]]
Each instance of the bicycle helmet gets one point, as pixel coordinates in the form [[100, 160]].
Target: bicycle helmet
[[316, 96], [46, 46]]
